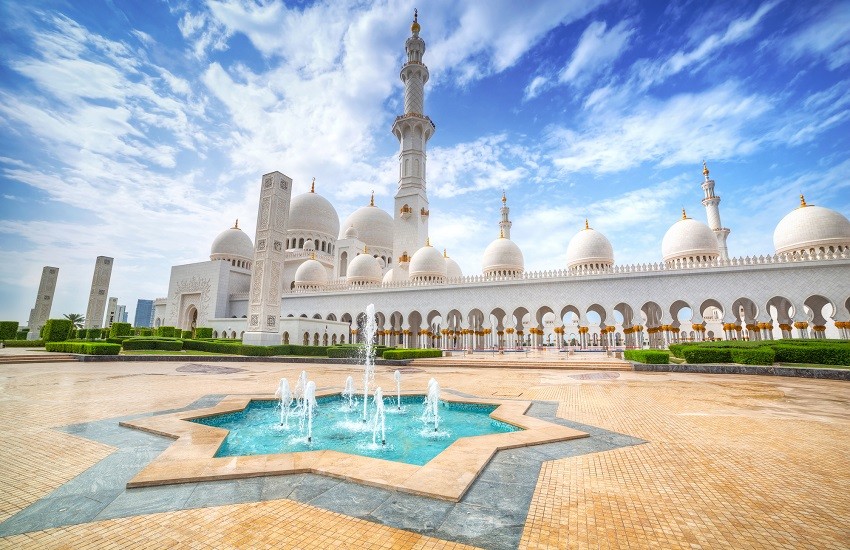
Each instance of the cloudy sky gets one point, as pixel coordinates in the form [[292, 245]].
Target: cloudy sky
[[140, 130]]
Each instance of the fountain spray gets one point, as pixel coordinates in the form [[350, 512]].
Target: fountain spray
[[285, 395], [397, 375], [369, 363]]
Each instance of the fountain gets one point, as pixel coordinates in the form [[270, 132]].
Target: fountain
[[285, 395], [369, 356], [378, 420], [432, 405], [348, 391], [397, 376], [300, 387], [309, 406]]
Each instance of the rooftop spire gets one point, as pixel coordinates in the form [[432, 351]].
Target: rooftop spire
[[236, 225], [372, 200], [586, 224], [803, 201], [414, 28], [313, 185], [427, 241], [445, 254], [704, 169], [684, 216], [501, 233], [504, 198]]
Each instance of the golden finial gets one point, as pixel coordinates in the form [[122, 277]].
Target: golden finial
[[504, 198], [414, 28], [365, 249], [313, 185], [445, 254], [312, 255], [684, 216], [427, 241], [803, 201], [586, 224], [704, 169], [372, 200], [236, 225], [501, 233]]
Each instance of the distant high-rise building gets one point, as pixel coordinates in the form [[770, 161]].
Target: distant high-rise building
[[144, 314], [99, 290], [111, 311], [120, 314], [43, 302]]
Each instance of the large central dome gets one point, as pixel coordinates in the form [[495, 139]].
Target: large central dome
[[232, 244], [374, 226], [589, 249], [503, 258], [313, 213]]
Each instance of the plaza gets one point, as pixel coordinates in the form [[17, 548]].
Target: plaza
[[673, 460]]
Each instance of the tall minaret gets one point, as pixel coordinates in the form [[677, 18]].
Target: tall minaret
[[413, 130], [712, 211], [505, 224]]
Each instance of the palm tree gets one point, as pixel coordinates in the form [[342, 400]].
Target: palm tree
[[77, 318]]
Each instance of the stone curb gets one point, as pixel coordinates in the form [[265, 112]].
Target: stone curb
[[827, 374], [238, 359]]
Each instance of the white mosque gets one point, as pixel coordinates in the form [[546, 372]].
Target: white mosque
[[331, 271]]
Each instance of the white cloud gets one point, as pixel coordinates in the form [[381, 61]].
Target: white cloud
[[596, 50], [828, 38]]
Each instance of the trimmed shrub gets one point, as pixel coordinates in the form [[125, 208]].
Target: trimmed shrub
[[826, 353], [411, 353], [648, 356], [120, 329], [145, 332], [163, 344], [752, 356], [22, 334], [234, 348], [24, 343], [700, 354], [93, 334], [81, 333], [203, 332], [354, 350], [186, 334], [166, 332], [87, 348], [308, 351], [57, 330], [8, 330]]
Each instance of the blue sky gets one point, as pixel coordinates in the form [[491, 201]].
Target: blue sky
[[139, 130]]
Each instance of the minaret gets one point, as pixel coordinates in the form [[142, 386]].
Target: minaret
[[712, 211], [505, 224], [413, 130]]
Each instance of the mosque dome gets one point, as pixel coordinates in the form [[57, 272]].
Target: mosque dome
[[427, 264], [812, 229], [589, 249], [374, 226], [453, 270], [351, 233], [232, 244], [364, 269], [689, 240], [396, 274], [503, 258], [311, 274], [314, 213]]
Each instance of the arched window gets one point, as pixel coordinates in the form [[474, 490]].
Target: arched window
[[306, 338], [286, 337]]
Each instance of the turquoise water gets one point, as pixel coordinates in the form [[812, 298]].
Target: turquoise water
[[257, 429]]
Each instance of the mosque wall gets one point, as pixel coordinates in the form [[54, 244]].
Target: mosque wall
[[202, 286]]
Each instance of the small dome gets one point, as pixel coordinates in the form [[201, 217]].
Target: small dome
[[453, 270], [311, 274], [812, 229], [351, 233], [689, 240], [396, 274], [313, 213], [589, 249], [503, 258], [427, 264], [364, 270], [309, 246], [232, 243], [374, 226]]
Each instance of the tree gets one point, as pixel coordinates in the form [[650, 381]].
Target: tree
[[77, 318]]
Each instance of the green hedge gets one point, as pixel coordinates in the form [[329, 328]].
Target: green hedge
[[648, 356], [234, 348], [166, 332], [700, 354], [94, 334], [144, 332], [752, 356], [57, 330], [354, 350], [164, 344], [23, 343], [88, 348], [22, 334], [203, 332], [120, 329], [186, 334], [8, 330], [81, 333], [237, 348], [827, 353], [412, 353]]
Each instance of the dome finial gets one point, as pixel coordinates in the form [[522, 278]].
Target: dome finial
[[586, 224], [313, 185], [803, 201], [427, 241], [445, 254], [372, 200], [504, 197], [365, 249], [414, 28], [312, 255], [236, 225], [501, 233], [704, 169], [684, 215]]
